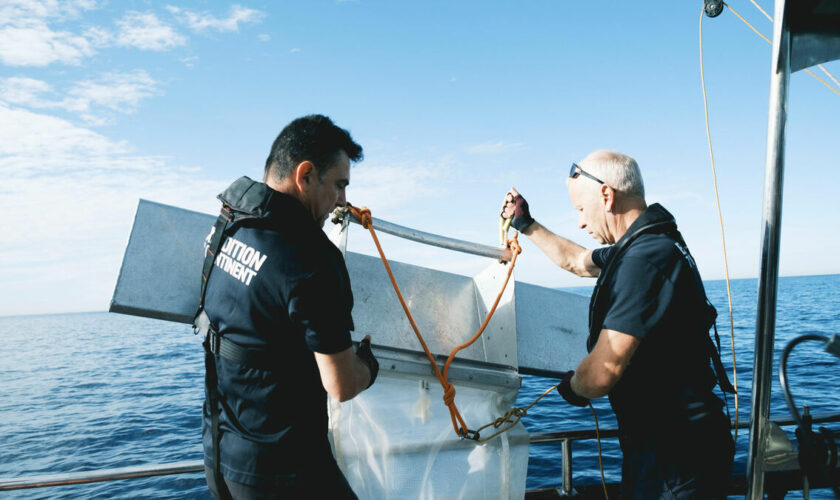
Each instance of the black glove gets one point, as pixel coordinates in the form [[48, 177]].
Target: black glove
[[565, 390], [521, 215], [366, 355]]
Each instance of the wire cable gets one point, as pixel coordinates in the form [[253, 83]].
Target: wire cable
[[600, 462], [794, 412], [770, 18], [722, 234], [770, 42]]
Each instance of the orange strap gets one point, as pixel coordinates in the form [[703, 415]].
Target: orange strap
[[364, 217]]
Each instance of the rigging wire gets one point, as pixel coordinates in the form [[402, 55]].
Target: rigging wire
[[770, 18], [722, 235], [770, 42], [600, 462]]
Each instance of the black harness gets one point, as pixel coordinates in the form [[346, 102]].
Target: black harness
[[598, 310], [245, 199]]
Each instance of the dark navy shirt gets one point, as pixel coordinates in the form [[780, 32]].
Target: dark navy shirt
[[653, 292], [279, 285]]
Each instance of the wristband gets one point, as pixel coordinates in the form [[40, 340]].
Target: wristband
[[565, 390], [366, 356]]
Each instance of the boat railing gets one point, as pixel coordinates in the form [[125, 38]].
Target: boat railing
[[566, 438]]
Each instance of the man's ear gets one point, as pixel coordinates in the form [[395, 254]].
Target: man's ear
[[304, 175], [608, 195]]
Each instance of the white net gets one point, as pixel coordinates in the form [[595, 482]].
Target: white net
[[396, 441]]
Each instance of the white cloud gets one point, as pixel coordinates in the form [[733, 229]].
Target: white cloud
[[26, 39], [294, 50], [73, 193], [189, 61], [392, 189], [143, 30], [203, 21], [119, 92], [37, 45], [99, 37], [490, 147], [24, 91], [263, 37], [115, 92]]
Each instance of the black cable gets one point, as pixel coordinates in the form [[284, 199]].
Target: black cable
[[789, 397], [783, 372]]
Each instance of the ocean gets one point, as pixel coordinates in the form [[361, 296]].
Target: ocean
[[94, 391]]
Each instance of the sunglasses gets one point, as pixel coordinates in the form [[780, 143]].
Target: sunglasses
[[575, 171]]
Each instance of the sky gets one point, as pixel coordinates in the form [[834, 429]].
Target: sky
[[103, 103]]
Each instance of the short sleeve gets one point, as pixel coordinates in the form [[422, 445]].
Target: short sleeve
[[320, 306], [600, 256], [639, 298]]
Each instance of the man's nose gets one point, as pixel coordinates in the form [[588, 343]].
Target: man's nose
[[342, 199]]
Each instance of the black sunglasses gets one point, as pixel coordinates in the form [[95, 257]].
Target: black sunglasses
[[576, 170]]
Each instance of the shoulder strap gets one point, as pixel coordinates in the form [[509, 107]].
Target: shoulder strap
[[244, 199], [713, 350], [216, 239], [607, 270]]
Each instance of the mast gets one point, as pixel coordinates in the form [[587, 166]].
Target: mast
[[771, 226], [805, 33]]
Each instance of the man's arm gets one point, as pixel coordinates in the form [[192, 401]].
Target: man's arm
[[343, 374], [598, 373], [565, 253]]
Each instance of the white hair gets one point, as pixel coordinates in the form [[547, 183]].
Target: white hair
[[617, 170]]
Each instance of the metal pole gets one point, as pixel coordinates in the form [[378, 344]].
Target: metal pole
[[102, 475], [437, 240], [770, 236], [567, 467]]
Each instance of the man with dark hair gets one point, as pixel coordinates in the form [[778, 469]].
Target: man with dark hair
[[649, 345], [277, 312]]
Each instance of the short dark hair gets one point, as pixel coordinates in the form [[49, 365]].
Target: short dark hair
[[314, 138]]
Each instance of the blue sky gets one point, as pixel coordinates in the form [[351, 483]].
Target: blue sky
[[103, 103]]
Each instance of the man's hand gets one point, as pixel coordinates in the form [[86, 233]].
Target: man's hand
[[366, 356], [565, 390], [346, 374], [515, 206]]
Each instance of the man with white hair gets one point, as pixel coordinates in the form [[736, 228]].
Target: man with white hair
[[649, 345]]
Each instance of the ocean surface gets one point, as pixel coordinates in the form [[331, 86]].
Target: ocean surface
[[94, 391]]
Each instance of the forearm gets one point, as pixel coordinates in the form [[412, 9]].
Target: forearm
[[591, 381], [598, 373], [343, 374], [563, 252]]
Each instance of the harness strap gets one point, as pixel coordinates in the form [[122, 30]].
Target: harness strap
[[211, 383], [712, 348], [202, 323], [235, 353], [244, 199], [212, 250], [668, 227]]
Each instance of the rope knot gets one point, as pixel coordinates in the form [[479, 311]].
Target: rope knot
[[449, 395], [362, 214], [513, 243]]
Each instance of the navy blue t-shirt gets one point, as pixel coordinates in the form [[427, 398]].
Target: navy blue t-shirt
[[653, 293], [281, 286]]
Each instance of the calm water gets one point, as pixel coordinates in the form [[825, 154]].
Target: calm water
[[94, 391]]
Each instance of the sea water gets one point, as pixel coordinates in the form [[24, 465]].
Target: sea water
[[91, 391]]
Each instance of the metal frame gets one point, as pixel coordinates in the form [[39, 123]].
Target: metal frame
[[770, 238], [437, 240]]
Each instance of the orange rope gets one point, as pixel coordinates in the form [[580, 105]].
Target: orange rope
[[364, 217]]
